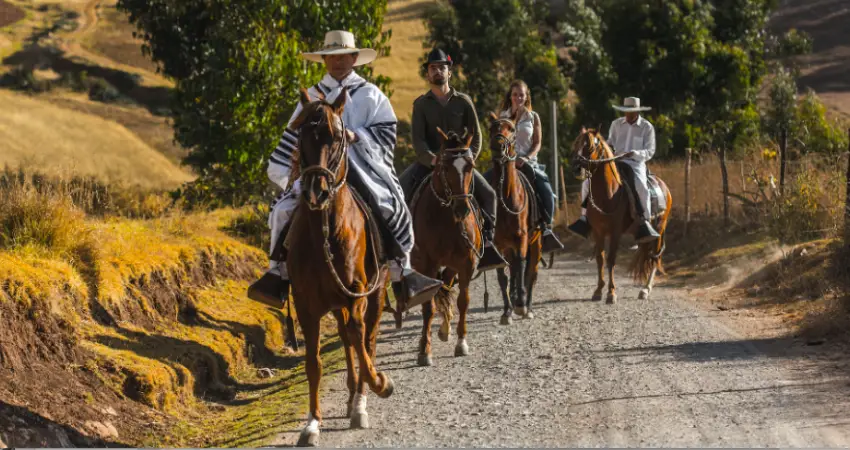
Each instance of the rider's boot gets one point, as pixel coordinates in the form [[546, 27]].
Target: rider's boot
[[644, 232], [272, 287], [491, 258], [551, 243], [411, 288]]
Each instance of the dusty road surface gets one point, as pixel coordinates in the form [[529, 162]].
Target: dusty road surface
[[664, 372]]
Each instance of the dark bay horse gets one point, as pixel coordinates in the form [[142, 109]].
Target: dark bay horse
[[448, 234], [517, 236], [333, 262], [610, 216]]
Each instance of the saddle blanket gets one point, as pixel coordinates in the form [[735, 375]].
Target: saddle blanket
[[657, 199]]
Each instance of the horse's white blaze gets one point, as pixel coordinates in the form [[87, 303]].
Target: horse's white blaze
[[459, 164], [359, 404]]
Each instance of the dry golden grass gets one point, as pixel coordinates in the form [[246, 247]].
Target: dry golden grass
[[38, 134], [404, 18], [113, 38]]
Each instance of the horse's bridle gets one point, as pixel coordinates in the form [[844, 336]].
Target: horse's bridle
[[589, 167], [507, 143], [449, 197], [329, 173]]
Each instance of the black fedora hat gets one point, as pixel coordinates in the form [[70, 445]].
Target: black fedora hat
[[438, 56]]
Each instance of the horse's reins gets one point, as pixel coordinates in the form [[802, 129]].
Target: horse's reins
[[331, 175], [507, 144], [451, 197], [594, 164]]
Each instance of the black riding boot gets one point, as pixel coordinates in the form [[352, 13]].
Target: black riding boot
[[491, 258], [271, 288], [644, 232]]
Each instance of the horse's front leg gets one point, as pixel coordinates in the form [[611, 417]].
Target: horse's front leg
[[507, 312], [313, 365], [613, 246], [518, 282], [379, 382], [462, 349], [351, 379], [531, 270], [600, 263]]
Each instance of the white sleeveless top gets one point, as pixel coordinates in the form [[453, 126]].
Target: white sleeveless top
[[524, 133]]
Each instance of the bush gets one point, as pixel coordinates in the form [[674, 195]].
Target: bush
[[29, 217], [813, 131], [100, 90], [809, 209]]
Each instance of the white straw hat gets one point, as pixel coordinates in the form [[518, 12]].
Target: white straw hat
[[631, 104], [339, 42]]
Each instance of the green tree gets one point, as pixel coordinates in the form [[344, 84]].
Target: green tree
[[493, 42], [238, 69]]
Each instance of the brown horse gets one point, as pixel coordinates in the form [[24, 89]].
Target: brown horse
[[333, 262], [448, 234], [517, 236], [610, 216]]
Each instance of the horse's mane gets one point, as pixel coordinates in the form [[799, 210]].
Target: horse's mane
[[607, 153]]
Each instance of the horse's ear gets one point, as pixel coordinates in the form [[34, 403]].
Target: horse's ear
[[339, 104], [305, 97], [442, 134]]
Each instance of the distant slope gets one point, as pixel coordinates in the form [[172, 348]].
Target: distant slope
[[39, 134], [828, 22], [404, 18]]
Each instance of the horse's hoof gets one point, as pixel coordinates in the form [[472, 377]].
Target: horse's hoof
[[424, 360], [506, 320], [389, 386], [461, 349], [445, 330], [596, 297], [360, 421], [521, 311], [529, 315], [644, 294], [611, 299], [308, 438]]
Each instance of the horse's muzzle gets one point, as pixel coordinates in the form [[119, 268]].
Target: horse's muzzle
[[318, 193], [460, 209]]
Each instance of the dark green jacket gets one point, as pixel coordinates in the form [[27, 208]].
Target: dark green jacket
[[429, 113]]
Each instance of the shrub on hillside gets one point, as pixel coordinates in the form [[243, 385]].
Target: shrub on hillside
[[29, 217], [102, 91]]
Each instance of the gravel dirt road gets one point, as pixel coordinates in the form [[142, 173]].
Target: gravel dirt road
[[664, 372]]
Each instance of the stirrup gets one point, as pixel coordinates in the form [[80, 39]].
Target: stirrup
[[551, 243], [269, 289], [491, 259]]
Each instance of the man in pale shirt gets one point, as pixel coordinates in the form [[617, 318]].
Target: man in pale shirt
[[633, 137]]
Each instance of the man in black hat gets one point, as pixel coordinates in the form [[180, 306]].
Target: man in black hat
[[450, 110]]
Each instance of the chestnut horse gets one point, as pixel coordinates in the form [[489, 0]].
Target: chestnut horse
[[517, 236], [609, 215], [448, 234], [333, 262]]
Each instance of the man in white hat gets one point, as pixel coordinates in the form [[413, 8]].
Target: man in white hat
[[371, 127], [633, 137]]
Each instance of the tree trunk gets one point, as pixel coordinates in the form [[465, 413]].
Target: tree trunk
[[725, 174]]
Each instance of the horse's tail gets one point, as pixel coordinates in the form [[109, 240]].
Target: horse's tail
[[445, 300], [648, 256]]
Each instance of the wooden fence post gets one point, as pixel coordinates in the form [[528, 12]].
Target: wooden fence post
[[847, 197], [687, 190], [725, 173], [783, 147], [564, 196]]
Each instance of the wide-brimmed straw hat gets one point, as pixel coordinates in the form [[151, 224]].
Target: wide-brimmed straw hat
[[631, 104], [339, 42]]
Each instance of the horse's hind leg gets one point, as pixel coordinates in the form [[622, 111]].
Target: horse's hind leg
[[644, 293], [313, 365], [600, 263], [351, 372], [444, 305], [503, 287]]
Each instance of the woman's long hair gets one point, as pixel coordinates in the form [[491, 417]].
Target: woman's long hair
[[506, 103]]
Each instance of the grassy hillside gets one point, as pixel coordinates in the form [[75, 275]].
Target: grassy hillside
[[41, 134], [404, 18]]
